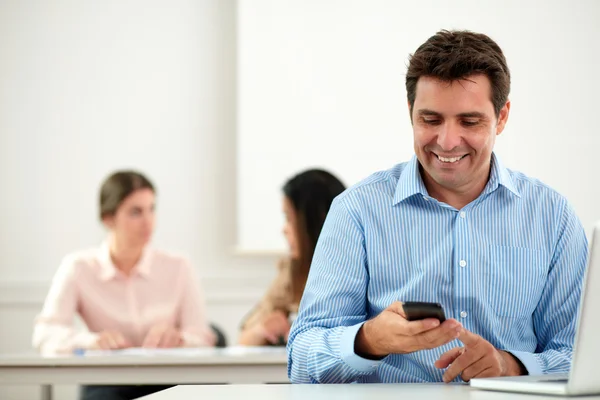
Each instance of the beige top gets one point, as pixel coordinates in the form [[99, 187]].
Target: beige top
[[279, 296]]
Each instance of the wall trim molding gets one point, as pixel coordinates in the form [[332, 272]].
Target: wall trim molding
[[217, 290]]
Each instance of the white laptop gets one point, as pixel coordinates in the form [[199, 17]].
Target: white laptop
[[583, 377]]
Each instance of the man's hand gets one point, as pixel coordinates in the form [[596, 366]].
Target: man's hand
[[163, 336], [110, 340], [477, 359], [390, 332]]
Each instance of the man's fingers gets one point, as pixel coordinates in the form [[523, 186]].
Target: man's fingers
[[469, 338], [475, 370], [486, 373], [463, 361], [439, 336], [413, 328], [396, 307], [448, 357]]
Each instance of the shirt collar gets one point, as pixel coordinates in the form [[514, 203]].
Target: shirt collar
[[410, 182], [500, 176], [108, 270]]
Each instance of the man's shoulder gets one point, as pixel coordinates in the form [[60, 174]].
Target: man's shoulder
[[381, 184], [534, 189]]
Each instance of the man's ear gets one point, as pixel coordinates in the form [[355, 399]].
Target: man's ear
[[502, 118]]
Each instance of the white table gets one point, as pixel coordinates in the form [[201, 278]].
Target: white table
[[174, 366], [340, 392]]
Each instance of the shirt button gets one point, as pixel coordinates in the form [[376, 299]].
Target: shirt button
[[463, 314], [462, 263], [463, 214]]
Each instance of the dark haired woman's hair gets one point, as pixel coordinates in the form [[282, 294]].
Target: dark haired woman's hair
[[117, 187], [311, 193]]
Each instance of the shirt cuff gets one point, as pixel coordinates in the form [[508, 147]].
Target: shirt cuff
[[529, 360], [349, 356]]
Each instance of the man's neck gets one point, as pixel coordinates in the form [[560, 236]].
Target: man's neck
[[457, 198]]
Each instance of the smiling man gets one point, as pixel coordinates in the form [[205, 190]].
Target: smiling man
[[503, 253]]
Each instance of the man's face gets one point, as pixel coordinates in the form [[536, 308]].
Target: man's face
[[455, 129]]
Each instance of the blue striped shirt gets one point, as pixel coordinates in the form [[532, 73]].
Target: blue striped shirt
[[509, 266]]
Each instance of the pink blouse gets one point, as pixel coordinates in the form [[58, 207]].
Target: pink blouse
[[162, 288]]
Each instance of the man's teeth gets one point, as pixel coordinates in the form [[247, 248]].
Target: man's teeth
[[449, 160]]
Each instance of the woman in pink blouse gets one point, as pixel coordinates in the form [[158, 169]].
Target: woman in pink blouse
[[126, 293]]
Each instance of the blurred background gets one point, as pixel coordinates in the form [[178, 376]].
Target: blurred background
[[218, 102]]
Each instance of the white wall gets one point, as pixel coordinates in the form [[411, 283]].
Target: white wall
[[87, 87], [322, 82]]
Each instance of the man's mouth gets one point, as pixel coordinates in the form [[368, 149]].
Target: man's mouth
[[450, 160]]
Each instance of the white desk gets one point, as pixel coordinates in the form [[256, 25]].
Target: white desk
[[179, 366], [340, 392]]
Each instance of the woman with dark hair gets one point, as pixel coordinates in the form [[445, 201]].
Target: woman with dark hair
[[306, 201], [126, 293]]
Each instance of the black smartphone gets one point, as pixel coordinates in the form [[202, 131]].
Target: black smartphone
[[416, 310]]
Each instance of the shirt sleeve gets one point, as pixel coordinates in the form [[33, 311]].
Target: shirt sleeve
[[193, 324], [555, 318], [53, 331], [350, 357], [333, 306]]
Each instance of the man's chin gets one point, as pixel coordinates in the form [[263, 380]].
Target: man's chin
[[447, 181]]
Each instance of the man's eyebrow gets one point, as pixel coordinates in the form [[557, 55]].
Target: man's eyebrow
[[425, 111], [472, 114]]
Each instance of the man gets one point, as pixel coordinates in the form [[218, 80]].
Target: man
[[501, 252]]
